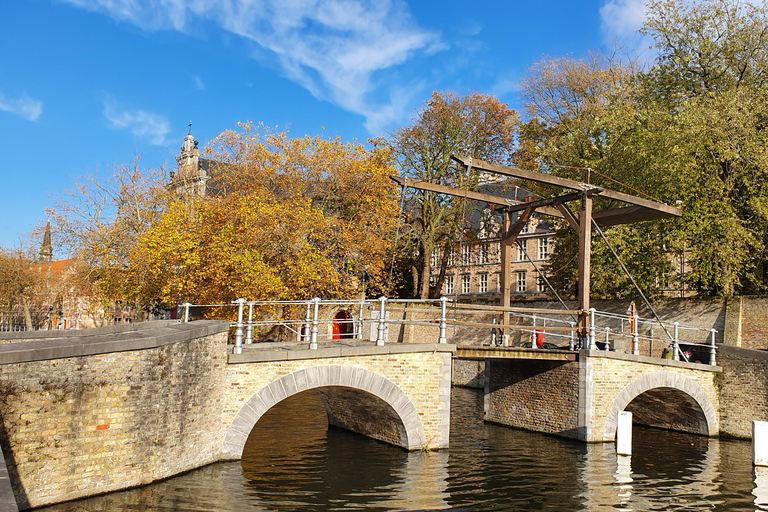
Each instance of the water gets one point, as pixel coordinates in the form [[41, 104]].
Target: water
[[292, 462]]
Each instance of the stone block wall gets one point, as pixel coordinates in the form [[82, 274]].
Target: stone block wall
[[469, 373], [743, 387], [80, 426], [537, 395], [748, 322]]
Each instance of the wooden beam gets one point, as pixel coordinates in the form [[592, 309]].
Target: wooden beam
[[663, 210], [553, 201], [627, 215], [585, 243], [568, 216], [469, 194]]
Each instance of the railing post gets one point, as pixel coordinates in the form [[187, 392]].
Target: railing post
[[186, 311], [533, 332], [713, 349], [592, 344], [307, 322], [315, 312], [443, 302], [572, 337], [675, 344], [607, 338], [382, 330], [635, 335], [239, 327], [360, 324], [249, 328]]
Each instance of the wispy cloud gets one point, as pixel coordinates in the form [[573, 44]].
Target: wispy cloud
[[199, 85], [622, 18], [141, 123], [24, 106], [336, 49]]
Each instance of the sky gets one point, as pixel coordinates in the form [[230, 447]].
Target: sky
[[89, 84]]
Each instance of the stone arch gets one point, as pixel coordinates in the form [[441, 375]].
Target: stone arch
[[709, 424], [328, 376]]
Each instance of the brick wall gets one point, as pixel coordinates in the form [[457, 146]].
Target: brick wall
[[85, 425], [533, 394], [469, 373], [743, 387]]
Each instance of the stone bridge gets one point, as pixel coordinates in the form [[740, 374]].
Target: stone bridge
[[579, 394], [89, 412]]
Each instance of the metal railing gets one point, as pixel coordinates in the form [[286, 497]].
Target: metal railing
[[307, 318]]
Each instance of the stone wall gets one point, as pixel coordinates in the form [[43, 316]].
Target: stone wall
[[79, 426], [743, 387], [747, 324], [537, 395], [469, 373]]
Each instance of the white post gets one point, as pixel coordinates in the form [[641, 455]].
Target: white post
[[760, 443], [624, 433], [186, 311], [360, 325], [713, 349], [249, 329], [675, 344], [307, 324], [571, 338], [607, 339], [382, 331], [592, 344], [239, 327], [315, 311], [636, 335], [533, 333], [442, 338]]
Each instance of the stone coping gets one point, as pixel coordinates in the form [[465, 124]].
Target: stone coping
[[743, 351], [658, 361], [67, 333], [87, 344], [485, 352], [327, 352]]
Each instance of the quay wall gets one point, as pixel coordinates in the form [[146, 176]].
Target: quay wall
[[743, 387]]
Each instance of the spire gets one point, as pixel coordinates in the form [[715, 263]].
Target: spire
[[46, 249]]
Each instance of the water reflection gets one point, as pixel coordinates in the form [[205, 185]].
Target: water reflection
[[293, 462]]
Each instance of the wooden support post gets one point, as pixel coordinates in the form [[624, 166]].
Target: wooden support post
[[508, 238], [585, 242]]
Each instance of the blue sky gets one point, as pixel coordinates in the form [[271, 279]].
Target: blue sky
[[86, 84]]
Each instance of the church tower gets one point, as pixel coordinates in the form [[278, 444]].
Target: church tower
[[190, 177]]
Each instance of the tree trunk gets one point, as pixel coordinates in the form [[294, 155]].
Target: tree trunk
[[27, 315]]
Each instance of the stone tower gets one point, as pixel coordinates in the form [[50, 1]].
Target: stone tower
[[191, 176]]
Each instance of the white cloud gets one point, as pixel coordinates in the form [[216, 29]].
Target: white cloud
[[199, 85], [336, 49], [24, 106], [623, 17], [142, 124]]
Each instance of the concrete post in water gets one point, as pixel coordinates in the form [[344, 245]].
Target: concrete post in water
[[635, 335], [760, 443], [239, 327], [624, 433], [443, 302], [571, 340], [382, 331], [186, 311], [249, 328], [592, 344], [315, 312], [712, 349], [675, 344]]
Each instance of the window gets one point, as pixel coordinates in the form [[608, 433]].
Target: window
[[543, 249], [452, 258], [541, 285], [483, 283], [466, 255], [434, 258], [498, 252], [521, 284], [525, 227], [465, 283], [520, 256], [485, 253], [448, 285]]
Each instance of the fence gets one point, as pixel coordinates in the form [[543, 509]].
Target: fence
[[604, 331]]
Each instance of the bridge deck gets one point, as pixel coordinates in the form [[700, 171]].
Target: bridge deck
[[478, 352], [262, 352]]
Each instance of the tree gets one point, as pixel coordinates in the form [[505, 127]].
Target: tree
[[477, 125], [289, 218], [20, 285]]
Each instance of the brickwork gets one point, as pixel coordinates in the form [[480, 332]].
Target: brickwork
[[754, 322], [423, 380], [80, 426], [743, 389], [535, 395], [609, 384], [469, 373]]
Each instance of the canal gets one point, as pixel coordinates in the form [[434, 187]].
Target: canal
[[292, 462]]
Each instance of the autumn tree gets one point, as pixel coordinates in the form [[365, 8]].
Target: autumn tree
[[476, 125], [286, 218], [20, 285]]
